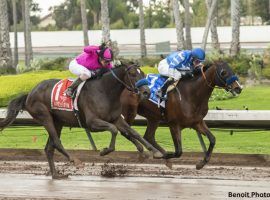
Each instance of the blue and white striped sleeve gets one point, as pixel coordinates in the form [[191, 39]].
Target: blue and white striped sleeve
[[177, 59]]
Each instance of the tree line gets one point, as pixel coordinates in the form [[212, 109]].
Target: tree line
[[87, 15]]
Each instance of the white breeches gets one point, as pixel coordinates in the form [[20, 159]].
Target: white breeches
[[163, 69], [79, 70]]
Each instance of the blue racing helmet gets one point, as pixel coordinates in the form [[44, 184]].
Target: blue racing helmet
[[198, 54]]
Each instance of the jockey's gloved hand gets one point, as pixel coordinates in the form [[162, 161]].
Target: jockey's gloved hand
[[101, 72], [188, 74], [197, 70], [95, 73]]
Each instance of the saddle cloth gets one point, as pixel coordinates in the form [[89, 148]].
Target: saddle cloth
[[59, 100], [155, 82]]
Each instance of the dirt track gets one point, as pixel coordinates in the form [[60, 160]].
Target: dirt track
[[23, 178]]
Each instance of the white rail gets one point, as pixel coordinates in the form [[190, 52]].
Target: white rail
[[259, 119]]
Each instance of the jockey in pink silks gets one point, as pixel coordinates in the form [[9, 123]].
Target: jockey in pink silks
[[88, 64]]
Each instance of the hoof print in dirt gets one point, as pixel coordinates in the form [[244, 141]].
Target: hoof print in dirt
[[110, 170]]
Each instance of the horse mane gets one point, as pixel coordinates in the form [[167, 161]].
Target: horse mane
[[208, 63]]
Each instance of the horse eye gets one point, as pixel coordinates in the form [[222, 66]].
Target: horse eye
[[223, 73]]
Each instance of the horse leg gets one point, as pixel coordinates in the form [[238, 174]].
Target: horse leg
[[176, 136], [149, 135], [122, 125], [129, 113], [100, 125], [135, 142], [41, 113], [49, 150], [203, 129]]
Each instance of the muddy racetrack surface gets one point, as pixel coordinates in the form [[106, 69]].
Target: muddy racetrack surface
[[113, 177]]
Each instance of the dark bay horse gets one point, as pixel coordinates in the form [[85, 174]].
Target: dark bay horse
[[99, 105], [186, 110]]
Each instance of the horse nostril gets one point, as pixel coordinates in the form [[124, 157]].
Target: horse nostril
[[238, 90]]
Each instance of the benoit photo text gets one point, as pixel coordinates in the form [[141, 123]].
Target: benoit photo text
[[249, 194]]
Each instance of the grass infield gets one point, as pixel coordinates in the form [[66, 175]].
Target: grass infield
[[244, 142]]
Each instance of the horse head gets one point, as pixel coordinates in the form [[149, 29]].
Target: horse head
[[134, 74], [224, 77]]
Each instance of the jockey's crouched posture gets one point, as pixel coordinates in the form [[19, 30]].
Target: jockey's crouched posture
[[179, 64], [89, 64]]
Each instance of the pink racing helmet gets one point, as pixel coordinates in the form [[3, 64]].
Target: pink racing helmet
[[106, 54]]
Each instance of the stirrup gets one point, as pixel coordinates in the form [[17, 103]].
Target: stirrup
[[69, 92]]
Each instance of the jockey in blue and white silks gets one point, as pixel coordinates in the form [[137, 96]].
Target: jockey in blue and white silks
[[181, 62], [178, 64]]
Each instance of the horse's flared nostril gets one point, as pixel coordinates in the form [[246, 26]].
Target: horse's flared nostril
[[238, 90]]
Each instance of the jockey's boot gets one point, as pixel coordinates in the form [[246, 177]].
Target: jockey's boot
[[164, 88], [71, 89]]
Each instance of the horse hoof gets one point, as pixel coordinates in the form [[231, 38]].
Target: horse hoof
[[157, 155], [106, 151], [169, 155], [200, 165], [59, 176], [140, 148], [143, 156]]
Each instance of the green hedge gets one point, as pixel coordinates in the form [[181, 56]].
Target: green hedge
[[13, 85]]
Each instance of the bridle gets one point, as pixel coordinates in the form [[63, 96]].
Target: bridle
[[227, 83], [131, 88]]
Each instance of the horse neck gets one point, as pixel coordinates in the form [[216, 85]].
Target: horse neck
[[202, 88], [110, 83]]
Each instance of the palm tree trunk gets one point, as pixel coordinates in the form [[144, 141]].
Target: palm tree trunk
[[235, 21], [171, 12], [84, 23], [105, 20], [142, 30], [179, 25], [27, 32], [187, 24], [5, 53], [95, 18], [213, 28], [14, 13], [207, 26]]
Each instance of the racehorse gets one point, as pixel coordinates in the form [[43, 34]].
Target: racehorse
[[185, 108], [99, 105]]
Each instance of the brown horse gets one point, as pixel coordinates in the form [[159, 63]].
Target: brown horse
[[184, 109], [99, 105]]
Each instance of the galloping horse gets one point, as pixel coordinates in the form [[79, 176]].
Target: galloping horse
[[99, 105], [184, 110]]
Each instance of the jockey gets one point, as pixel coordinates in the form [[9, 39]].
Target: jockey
[[89, 64], [179, 64]]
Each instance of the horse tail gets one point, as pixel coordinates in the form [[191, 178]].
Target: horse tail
[[14, 107]]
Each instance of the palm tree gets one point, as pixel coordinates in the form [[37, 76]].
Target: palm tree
[[207, 26], [5, 53], [27, 32], [105, 21], [187, 24], [142, 30], [84, 23], [214, 34], [178, 24], [235, 21], [14, 13]]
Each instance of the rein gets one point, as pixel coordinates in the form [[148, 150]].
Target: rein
[[133, 88], [209, 84]]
